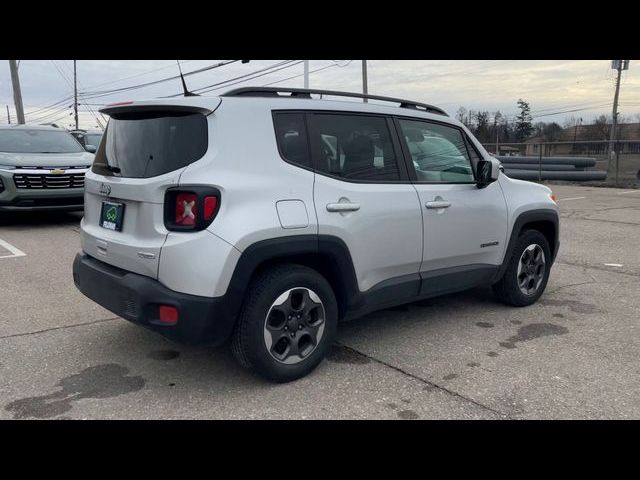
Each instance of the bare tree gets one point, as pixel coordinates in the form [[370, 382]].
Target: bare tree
[[601, 128], [461, 115], [571, 121]]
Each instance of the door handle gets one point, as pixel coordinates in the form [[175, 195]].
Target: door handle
[[438, 204], [343, 207]]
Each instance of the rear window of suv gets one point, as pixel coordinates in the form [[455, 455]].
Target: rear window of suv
[[148, 144]]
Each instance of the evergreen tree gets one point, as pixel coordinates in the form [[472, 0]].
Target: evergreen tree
[[523, 127]]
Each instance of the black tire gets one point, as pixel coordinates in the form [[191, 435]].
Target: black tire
[[248, 341], [507, 289]]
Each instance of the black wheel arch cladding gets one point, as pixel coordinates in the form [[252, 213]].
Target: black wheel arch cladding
[[327, 254], [546, 221]]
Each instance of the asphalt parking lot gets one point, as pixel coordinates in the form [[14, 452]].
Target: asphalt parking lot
[[572, 355]]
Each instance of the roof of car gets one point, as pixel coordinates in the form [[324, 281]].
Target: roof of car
[[31, 127]]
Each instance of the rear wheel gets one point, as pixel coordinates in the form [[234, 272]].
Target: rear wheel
[[287, 323], [527, 273]]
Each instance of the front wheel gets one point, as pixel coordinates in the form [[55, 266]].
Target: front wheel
[[527, 273], [287, 324]]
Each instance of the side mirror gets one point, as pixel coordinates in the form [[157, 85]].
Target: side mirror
[[488, 171], [90, 148]]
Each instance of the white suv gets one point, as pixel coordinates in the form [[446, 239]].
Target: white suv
[[268, 216]]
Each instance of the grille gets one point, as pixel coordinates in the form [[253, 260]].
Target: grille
[[75, 180]]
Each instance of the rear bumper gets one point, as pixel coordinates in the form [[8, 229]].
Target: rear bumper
[[134, 297]]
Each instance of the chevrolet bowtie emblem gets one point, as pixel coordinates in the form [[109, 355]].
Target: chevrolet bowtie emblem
[[57, 171]]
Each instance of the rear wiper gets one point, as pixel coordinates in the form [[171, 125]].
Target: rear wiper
[[112, 169]]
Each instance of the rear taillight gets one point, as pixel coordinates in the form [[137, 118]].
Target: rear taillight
[[210, 207], [186, 209], [190, 208]]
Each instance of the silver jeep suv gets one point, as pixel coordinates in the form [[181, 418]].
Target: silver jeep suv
[[268, 215]]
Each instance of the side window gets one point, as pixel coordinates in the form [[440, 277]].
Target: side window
[[438, 151], [291, 135], [354, 147]]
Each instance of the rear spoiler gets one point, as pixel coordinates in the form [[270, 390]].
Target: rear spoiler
[[204, 105]]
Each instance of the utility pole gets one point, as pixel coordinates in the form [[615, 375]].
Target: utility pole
[[365, 88], [618, 65], [75, 94], [17, 94], [306, 74], [8, 116]]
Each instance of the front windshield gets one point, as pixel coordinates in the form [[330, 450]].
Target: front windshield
[[38, 141], [92, 139]]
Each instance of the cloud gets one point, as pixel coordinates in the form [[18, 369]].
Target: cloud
[[475, 84]]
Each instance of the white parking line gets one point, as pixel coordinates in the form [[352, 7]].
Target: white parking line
[[571, 198], [628, 191], [15, 252]]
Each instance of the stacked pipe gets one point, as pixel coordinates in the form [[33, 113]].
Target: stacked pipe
[[552, 168]]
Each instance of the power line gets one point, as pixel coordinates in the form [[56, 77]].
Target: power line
[[48, 107], [571, 111], [95, 116], [137, 75], [155, 82], [578, 105], [245, 78], [72, 85], [47, 116], [302, 74]]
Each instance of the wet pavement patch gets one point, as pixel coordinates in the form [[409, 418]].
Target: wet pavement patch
[[484, 324], [342, 354], [101, 381], [163, 354], [574, 305], [532, 331], [408, 415]]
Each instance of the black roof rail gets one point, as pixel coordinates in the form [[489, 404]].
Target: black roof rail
[[306, 93]]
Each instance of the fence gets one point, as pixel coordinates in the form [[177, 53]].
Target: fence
[[620, 168]]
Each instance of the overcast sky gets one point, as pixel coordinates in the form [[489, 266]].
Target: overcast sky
[[552, 87]]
